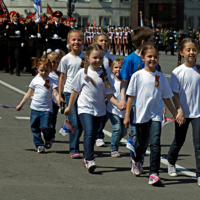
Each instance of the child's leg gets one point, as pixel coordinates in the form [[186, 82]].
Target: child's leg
[[35, 128], [75, 122], [54, 118], [123, 129], [116, 131], [179, 139], [155, 132], [196, 141], [45, 125]]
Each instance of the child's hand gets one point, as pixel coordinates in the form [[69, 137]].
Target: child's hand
[[164, 110], [121, 106], [126, 122], [61, 100], [180, 118], [67, 111], [19, 107]]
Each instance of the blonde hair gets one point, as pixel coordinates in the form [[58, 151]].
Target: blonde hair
[[75, 31], [95, 39], [117, 61], [53, 55], [38, 62], [95, 47]]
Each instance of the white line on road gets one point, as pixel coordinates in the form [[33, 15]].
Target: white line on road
[[163, 160], [19, 117]]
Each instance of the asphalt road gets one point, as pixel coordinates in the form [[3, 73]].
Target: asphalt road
[[26, 175]]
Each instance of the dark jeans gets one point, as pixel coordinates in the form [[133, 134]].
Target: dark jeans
[[76, 124], [91, 125], [40, 122], [150, 129], [14, 53], [54, 118], [179, 139]]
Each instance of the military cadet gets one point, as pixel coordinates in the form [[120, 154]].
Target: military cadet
[[72, 22], [56, 33], [189, 33], [161, 34], [171, 40], [157, 37], [15, 33], [130, 45]]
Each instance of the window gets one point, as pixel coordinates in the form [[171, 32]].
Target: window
[[190, 22], [83, 20], [189, 1], [104, 21], [83, 0], [125, 0], [105, 0], [124, 21]]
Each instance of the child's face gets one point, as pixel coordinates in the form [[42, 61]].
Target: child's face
[[116, 69], [75, 41], [54, 63], [96, 59], [103, 41], [44, 71], [151, 58], [189, 52]]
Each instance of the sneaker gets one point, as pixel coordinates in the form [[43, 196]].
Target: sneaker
[[198, 181], [172, 170], [48, 144], [135, 169], [40, 149], [75, 155], [100, 143], [117, 54], [154, 179], [126, 54], [90, 165], [121, 54], [115, 154]]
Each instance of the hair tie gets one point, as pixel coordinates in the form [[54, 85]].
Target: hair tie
[[57, 51], [67, 46], [49, 51]]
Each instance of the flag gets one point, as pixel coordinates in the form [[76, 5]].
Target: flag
[[4, 106], [95, 24], [104, 23], [130, 144], [49, 10], [152, 24], [66, 128], [67, 5], [3, 8], [166, 120], [141, 20], [88, 22], [38, 8]]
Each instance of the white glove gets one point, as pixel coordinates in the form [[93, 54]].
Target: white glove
[[39, 35], [17, 32], [37, 20], [55, 36], [22, 44]]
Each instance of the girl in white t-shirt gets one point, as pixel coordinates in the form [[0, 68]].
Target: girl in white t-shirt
[[91, 84], [42, 87], [151, 90], [185, 84], [69, 66], [116, 116]]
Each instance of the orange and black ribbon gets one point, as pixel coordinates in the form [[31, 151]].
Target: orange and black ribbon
[[47, 84], [110, 62], [103, 74], [157, 80], [82, 63]]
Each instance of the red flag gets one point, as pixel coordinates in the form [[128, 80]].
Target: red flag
[[3, 7], [90, 8], [95, 25], [49, 10], [88, 22]]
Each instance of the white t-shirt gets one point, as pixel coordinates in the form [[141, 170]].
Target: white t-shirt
[[55, 77], [42, 99], [70, 65], [91, 99], [112, 108], [186, 81], [149, 102], [106, 61]]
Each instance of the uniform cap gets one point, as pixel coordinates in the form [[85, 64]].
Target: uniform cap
[[14, 13], [72, 19], [58, 14]]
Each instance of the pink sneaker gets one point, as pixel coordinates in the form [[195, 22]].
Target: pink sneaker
[[154, 179], [90, 165], [75, 155], [135, 169]]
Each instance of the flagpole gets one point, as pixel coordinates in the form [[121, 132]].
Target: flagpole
[[38, 16]]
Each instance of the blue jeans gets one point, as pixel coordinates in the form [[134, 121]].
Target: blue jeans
[[91, 126], [40, 122], [54, 118], [150, 129], [179, 139], [118, 131], [75, 122]]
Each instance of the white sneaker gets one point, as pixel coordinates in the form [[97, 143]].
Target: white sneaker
[[117, 54], [135, 169], [111, 53], [40, 149], [100, 143], [126, 54], [90, 165], [172, 170], [121, 54], [198, 181], [154, 179]]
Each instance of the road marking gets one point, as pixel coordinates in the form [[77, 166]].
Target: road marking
[[25, 118], [163, 160]]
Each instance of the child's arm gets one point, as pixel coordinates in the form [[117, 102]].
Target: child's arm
[[25, 99], [128, 110], [115, 102], [72, 100], [123, 85], [61, 86], [55, 93]]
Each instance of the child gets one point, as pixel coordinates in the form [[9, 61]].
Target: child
[[91, 84], [116, 116], [151, 90], [41, 106], [69, 67], [185, 84]]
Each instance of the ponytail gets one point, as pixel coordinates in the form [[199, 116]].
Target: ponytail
[[179, 59], [107, 81], [85, 71], [139, 65], [34, 63]]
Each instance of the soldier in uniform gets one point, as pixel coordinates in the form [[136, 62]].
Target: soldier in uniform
[[157, 37], [189, 33], [171, 40], [15, 34], [56, 33]]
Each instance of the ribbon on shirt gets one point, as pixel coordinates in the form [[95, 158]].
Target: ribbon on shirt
[[103, 74], [157, 80], [82, 63], [110, 62], [47, 84]]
